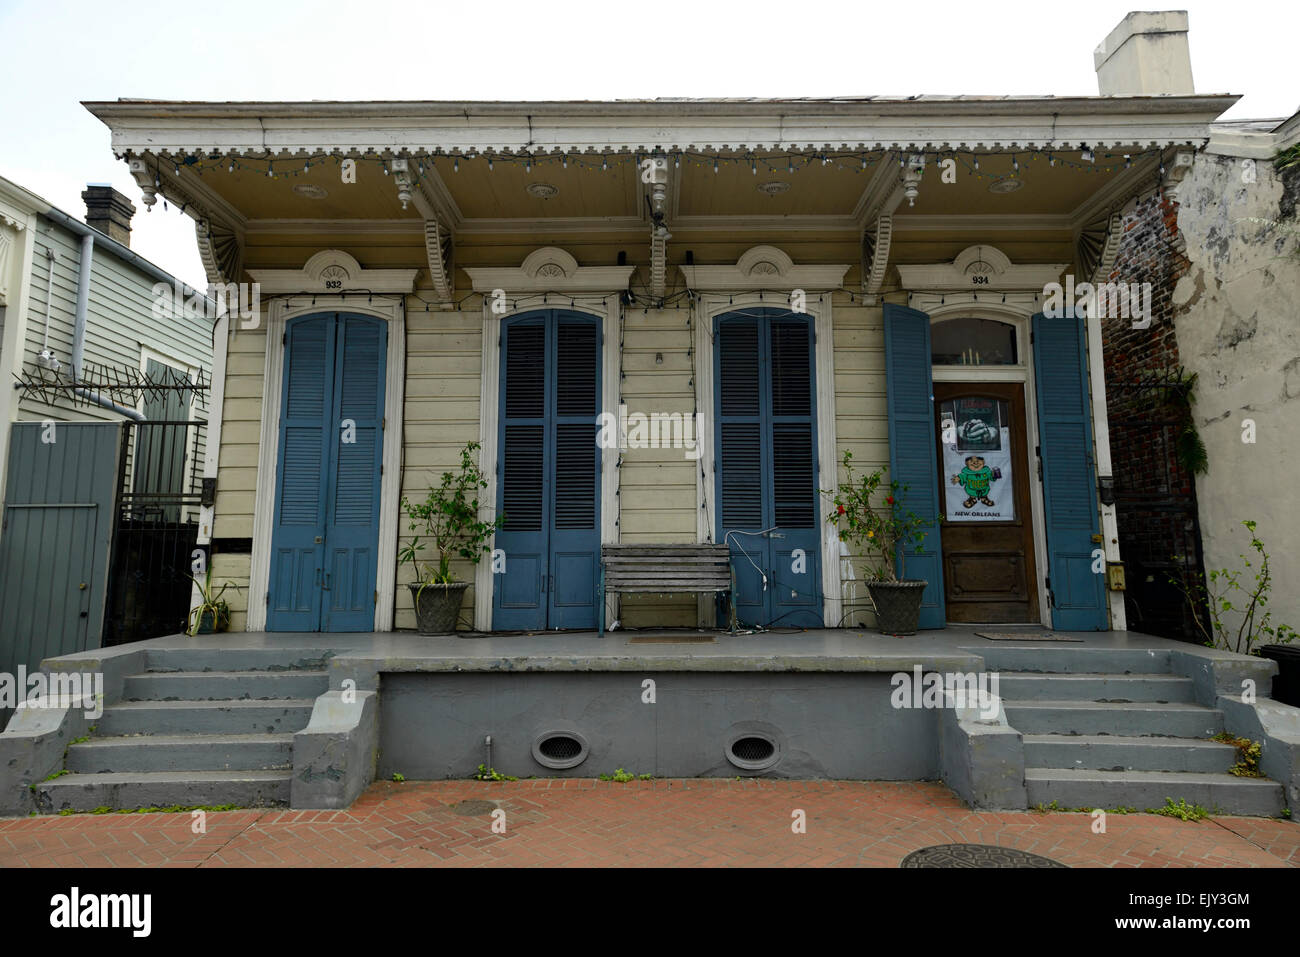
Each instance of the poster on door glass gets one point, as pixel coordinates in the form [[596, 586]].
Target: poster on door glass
[[977, 469]]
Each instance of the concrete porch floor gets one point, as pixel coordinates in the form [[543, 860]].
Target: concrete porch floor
[[957, 647]]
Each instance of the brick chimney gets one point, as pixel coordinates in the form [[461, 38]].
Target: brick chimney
[[108, 211], [1146, 55]]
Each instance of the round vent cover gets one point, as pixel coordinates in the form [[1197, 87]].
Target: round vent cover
[[753, 751], [560, 749]]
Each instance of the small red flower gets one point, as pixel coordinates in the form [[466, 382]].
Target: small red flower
[[890, 500], [841, 509]]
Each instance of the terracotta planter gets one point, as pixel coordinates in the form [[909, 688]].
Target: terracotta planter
[[437, 607], [898, 605]]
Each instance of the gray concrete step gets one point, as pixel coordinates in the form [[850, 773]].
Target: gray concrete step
[[1109, 752], [224, 685], [271, 716], [1173, 720], [1028, 685], [86, 792], [1060, 657], [182, 752], [237, 659], [1217, 793]]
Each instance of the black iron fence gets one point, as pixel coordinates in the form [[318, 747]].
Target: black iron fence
[[155, 533]]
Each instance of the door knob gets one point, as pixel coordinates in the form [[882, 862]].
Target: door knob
[[319, 539]]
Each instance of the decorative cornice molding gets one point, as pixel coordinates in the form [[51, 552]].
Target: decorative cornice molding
[[549, 269], [977, 269], [763, 267], [332, 271]]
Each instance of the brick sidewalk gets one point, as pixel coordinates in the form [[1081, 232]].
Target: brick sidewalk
[[691, 823]]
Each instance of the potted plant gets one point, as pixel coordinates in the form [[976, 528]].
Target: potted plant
[[870, 515], [448, 519], [212, 613]]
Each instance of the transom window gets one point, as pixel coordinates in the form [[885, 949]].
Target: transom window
[[973, 342]]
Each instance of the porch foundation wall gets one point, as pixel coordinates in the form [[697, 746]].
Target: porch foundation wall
[[839, 726]]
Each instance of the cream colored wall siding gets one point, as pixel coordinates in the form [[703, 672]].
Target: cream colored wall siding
[[241, 432], [657, 502], [443, 374], [235, 570], [861, 419]]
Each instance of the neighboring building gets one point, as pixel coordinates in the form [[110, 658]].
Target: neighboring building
[[99, 506], [1237, 314], [803, 276]]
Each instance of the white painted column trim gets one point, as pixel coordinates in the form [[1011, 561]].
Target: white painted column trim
[[392, 310], [1101, 442], [489, 400]]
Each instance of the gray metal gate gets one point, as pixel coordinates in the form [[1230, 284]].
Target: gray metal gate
[[54, 542]]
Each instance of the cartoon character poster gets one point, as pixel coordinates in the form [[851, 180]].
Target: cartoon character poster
[[977, 464]]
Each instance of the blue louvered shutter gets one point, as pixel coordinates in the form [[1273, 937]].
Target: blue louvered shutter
[[356, 439], [767, 465], [912, 446], [740, 460], [575, 539], [297, 551], [795, 557], [518, 597], [1077, 593]]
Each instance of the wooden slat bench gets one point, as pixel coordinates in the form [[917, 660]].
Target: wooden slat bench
[[663, 569]]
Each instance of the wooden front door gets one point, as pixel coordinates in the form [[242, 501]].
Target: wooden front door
[[987, 533]]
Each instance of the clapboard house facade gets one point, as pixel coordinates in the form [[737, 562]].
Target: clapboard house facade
[[744, 289]]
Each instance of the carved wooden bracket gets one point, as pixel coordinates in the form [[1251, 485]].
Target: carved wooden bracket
[[1097, 247], [220, 250], [876, 241], [438, 240]]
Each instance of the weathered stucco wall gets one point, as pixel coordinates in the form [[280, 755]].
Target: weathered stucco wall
[[1238, 323]]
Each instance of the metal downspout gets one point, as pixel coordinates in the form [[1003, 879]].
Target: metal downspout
[[79, 334]]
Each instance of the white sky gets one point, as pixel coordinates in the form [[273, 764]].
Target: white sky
[[57, 54]]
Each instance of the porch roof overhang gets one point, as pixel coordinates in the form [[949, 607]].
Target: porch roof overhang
[[921, 122], [836, 166]]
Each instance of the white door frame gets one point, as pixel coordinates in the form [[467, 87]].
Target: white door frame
[[1018, 313], [392, 310]]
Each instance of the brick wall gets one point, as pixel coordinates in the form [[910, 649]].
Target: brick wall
[[1155, 495]]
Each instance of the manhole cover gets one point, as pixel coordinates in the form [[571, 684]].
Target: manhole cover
[[472, 808], [975, 855]]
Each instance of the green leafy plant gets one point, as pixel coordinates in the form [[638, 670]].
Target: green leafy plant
[[398, 777], [1222, 596], [211, 603], [871, 515], [485, 773], [620, 776], [448, 519], [1182, 810], [1249, 751]]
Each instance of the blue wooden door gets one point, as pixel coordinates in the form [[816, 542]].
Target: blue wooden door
[[324, 542], [913, 459], [1076, 593], [549, 472], [766, 452]]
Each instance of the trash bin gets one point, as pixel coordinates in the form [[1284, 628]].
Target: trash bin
[[1286, 684]]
